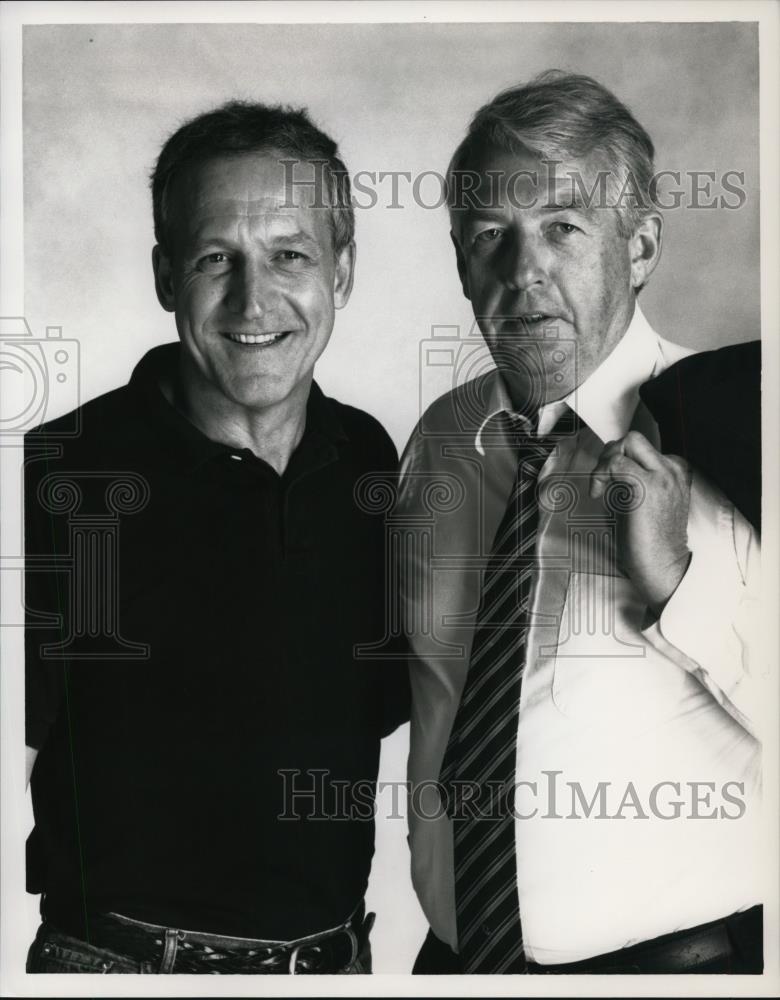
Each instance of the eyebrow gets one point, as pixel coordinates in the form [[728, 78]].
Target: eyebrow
[[480, 214], [298, 237], [568, 202], [584, 196]]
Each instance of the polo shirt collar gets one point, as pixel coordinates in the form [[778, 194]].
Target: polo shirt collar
[[189, 447]]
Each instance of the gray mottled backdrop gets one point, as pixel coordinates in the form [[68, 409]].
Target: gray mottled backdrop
[[99, 101]]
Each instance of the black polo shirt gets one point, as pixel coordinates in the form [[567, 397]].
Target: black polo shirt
[[203, 667]]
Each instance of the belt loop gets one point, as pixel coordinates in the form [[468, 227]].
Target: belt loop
[[355, 945], [171, 947], [292, 970]]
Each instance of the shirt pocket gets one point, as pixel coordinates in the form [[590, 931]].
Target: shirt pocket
[[606, 673]]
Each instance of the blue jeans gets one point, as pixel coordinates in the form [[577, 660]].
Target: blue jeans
[[55, 951]]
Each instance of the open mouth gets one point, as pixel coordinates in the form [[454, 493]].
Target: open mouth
[[535, 318], [257, 339], [530, 322]]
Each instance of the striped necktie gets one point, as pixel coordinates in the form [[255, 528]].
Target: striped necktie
[[478, 772]]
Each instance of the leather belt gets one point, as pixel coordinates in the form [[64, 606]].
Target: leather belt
[[733, 944], [170, 949]]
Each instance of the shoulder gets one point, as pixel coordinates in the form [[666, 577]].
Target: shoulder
[[121, 416], [93, 419], [106, 432], [708, 410], [455, 416], [694, 377], [366, 435], [63, 451]]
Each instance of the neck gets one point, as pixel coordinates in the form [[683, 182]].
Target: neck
[[270, 432]]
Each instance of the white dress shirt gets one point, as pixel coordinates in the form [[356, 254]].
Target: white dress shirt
[[611, 710]]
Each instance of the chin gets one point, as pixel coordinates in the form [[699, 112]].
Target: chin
[[258, 389], [260, 400]]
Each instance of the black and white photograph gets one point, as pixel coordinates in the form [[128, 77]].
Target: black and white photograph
[[389, 441]]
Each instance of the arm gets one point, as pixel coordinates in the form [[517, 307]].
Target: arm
[[695, 561], [381, 464], [710, 626], [43, 596], [396, 695], [29, 762]]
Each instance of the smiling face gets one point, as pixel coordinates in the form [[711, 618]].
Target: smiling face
[[253, 280], [551, 280]]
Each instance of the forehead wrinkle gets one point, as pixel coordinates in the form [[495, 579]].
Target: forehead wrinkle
[[247, 206], [235, 218], [532, 198], [223, 202]]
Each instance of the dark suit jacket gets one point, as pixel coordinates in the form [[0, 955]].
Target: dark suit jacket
[[708, 410]]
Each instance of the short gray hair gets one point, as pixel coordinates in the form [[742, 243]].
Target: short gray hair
[[568, 115], [246, 127]]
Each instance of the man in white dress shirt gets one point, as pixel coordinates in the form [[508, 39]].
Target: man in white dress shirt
[[634, 700]]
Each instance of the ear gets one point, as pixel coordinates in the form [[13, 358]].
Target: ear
[[461, 260], [163, 279], [345, 275], [645, 249]]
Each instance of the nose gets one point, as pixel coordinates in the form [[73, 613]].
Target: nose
[[251, 291], [524, 264]]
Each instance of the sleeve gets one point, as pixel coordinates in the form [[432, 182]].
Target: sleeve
[[711, 626], [43, 598], [396, 690], [394, 693]]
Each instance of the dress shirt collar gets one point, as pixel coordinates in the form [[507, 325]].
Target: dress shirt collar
[[607, 399]]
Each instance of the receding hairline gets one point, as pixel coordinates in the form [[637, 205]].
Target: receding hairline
[[247, 127], [173, 188]]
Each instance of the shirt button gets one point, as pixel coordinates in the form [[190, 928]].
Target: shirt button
[[486, 929]]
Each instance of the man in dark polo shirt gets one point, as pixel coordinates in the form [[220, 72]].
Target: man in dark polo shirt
[[204, 736]]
